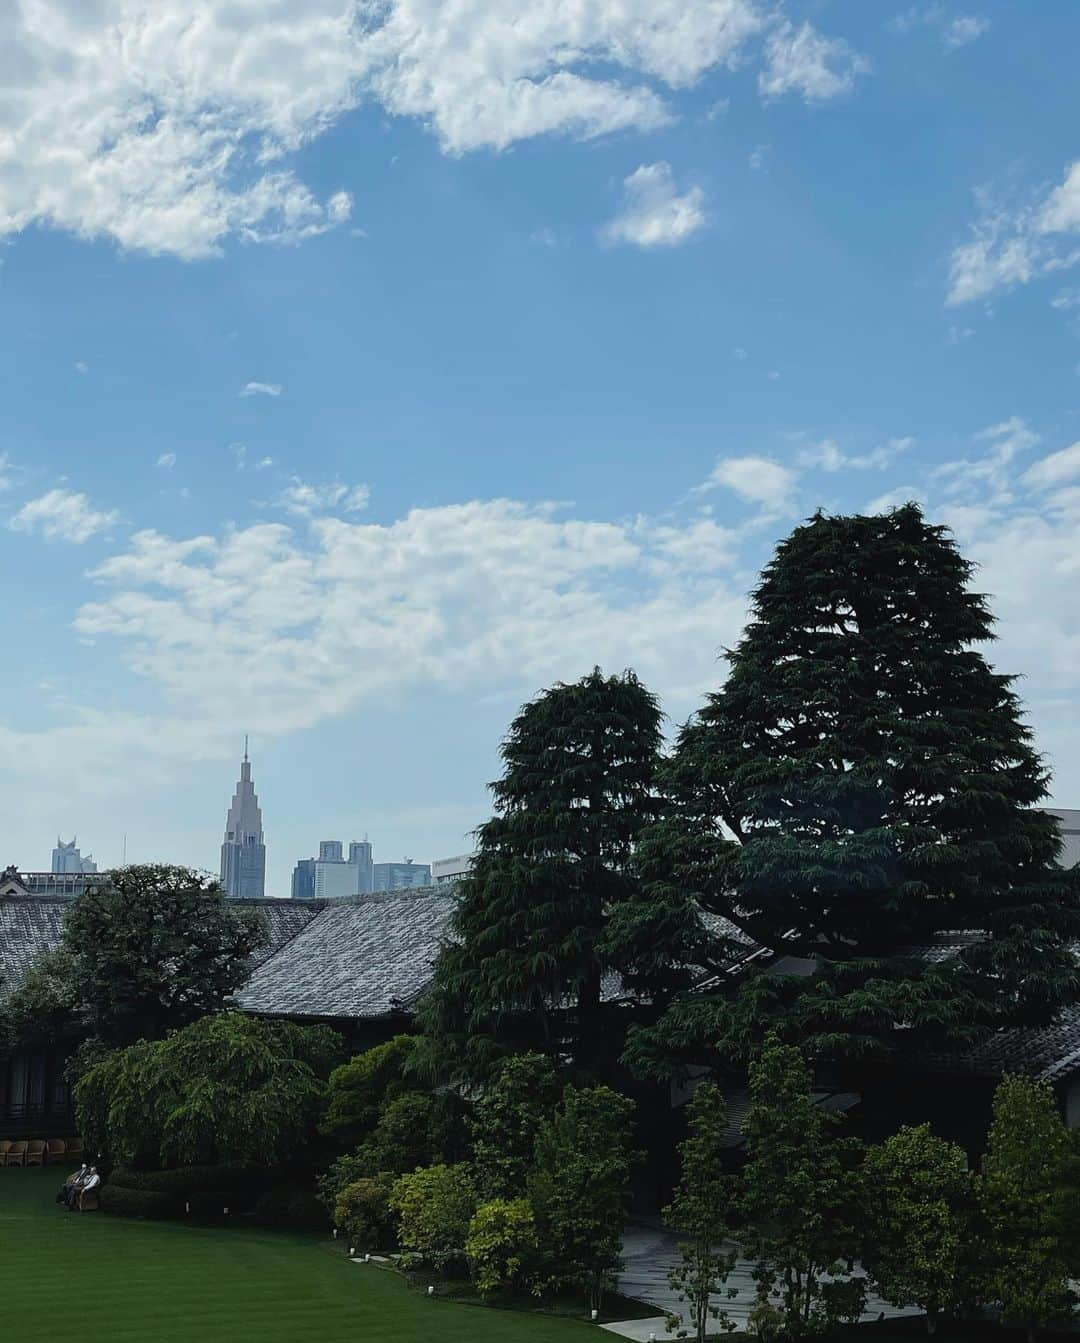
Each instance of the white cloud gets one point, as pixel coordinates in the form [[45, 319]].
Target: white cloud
[[168, 129], [263, 463], [166, 461], [827, 456], [261, 389], [993, 470], [63, 515], [305, 500], [1013, 246], [759, 480], [485, 596], [955, 30], [81, 367], [653, 214], [1056, 469], [801, 60], [962, 31]]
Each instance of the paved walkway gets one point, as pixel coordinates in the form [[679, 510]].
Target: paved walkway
[[648, 1253]]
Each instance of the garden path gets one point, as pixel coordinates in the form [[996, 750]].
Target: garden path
[[649, 1251]]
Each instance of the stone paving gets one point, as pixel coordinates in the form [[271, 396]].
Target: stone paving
[[648, 1253]]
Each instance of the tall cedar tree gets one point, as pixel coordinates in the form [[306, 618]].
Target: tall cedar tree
[[523, 971], [154, 949], [862, 783]]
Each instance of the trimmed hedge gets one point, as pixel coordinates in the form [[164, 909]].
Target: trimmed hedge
[[243, 1181], [293, 1207], [123, 1202]]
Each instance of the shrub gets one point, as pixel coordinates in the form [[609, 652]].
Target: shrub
[[363, 1215], [522, 1094], [243, 1180], [434, 1206], [502, 1246], [290, 1207], [357, 1089], [580, 1187], [123, 1202], [346, 1170], [225, 1089]]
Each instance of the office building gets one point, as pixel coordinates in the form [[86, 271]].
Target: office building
[[1068, 820], [67, 858], [448, 871], [401, 876], [332, 876], [243, 853]]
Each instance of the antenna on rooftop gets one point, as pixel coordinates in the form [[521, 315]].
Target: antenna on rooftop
[[245, 745]]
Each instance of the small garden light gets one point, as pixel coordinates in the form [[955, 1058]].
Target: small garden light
[[431, 1291]]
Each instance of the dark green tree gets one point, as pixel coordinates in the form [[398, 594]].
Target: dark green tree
[[224, 1089], [917, 1193], [862, 782], [154, 949], [579, 1188], [801, 1195], [1027, 1163], [521, 1095], [703, 1214], [524, 968]]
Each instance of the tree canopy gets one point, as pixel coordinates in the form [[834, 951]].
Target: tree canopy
[[525, 967], [862, 783], [155, 948]]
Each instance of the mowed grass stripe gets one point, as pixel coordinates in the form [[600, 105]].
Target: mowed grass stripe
[[94, 1277]]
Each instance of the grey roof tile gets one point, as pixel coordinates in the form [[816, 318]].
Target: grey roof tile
[[363, 958]]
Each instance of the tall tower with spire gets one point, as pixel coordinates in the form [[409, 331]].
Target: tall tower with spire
[[243, 854]]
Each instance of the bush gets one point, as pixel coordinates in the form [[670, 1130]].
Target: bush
[[502, 1246], [226, 1089], [434, 1206], [243, 1181], [357, 1089], [123, 1202], [363, 1215], [291, 1207]]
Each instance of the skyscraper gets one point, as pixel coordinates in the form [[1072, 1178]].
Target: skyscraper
[[67, 858], [243, 854]]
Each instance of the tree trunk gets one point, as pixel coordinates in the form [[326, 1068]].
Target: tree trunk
[[931, 1321]]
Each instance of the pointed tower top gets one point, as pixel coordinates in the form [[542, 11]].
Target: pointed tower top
[[245, 745]]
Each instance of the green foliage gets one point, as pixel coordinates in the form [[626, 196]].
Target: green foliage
[[801, 1193], [702, 1213], [225, 1089], [503, 1247], [434, 1206], [579, 1187], [155, 949], [148, 1203], [917, 1197], [577, 789], [1027, 1159], [290, 1206], [522, 1093], [863, 781], [44, 1007], [362, 1213], [358, 1089], [241, 1181], [407, 1135]]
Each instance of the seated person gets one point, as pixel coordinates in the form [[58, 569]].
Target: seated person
[[88, 1185], [67, 1189]]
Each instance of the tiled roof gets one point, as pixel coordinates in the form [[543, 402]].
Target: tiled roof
[[32, 925], [1051, 1053], [364, 958], [29, 927]]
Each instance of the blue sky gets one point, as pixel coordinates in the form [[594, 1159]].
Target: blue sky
[[365, 369]]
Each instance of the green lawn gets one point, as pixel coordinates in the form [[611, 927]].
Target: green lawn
[[93, 1277]]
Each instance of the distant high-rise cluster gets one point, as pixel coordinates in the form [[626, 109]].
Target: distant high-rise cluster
[[243, 853], [67, 858], [333, 876]]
